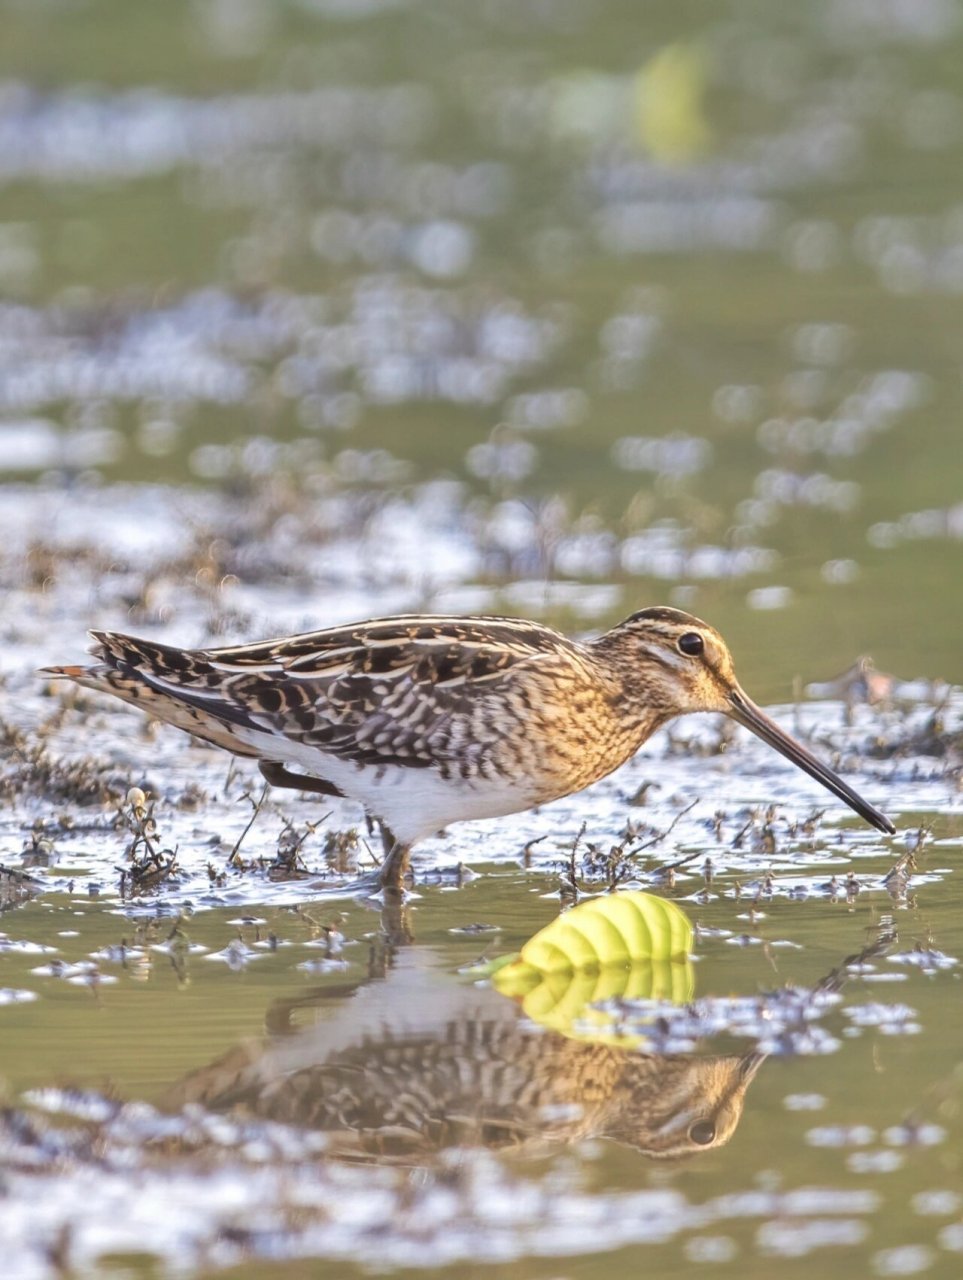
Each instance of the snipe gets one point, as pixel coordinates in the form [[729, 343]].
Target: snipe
[[432, 720]]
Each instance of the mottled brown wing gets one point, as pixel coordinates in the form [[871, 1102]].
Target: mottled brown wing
[[403, 690]]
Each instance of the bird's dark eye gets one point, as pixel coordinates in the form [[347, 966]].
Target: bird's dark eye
[[691, 643], [704, 1131]]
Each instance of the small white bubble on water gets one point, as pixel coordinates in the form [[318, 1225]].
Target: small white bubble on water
[[804, 1101], [906, 1135], [323, 966], [937, 1202], [443, 248], [710, 1249], [12, 995], [907, 1260], [795, 1239], [874, 1162], [92, 979], [839, 572], [769, 598], [857, 1135], [951, 1238]]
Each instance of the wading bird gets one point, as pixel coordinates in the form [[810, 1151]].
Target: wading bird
[[432, 720]]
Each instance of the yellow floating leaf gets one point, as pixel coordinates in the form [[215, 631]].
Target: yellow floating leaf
[[614, 929], [622, 946]]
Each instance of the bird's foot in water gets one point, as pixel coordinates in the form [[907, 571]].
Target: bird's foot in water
[[388, 880]]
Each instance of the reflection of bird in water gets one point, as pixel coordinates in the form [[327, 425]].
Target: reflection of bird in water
[[414, 1064], [16, 887], [433, 720]]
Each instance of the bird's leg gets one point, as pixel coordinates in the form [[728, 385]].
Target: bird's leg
[[387, 839], [391, 874], [394, 867], [396, 924], [279, 776]]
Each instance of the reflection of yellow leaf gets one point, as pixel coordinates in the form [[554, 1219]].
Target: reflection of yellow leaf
[[565, 1000], [669, 90], [625, 945]]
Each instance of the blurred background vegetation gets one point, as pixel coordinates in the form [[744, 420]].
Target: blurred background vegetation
[[661, 302]]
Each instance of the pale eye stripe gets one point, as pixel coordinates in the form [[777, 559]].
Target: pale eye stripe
[[665, 657]]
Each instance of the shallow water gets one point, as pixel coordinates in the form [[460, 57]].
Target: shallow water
[[669, 306], [846, 1147], [226, 1032], [314, 311]]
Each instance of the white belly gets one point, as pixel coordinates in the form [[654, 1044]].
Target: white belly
[[414, 803]]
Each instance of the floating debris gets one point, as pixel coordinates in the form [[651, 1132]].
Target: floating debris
[[927, 959], [23, 947], [236, 955], [11, 995]]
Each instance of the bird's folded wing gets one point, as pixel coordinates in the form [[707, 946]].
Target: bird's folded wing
[[405, 691]]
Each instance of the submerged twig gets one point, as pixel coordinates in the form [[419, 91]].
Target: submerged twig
[[662, 835], [569, 885], [232, 860], [907, 861]]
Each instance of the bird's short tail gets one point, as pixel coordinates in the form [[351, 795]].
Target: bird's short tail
[[163, 682]]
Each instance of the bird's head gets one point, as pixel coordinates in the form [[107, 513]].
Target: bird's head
[[679, 664]]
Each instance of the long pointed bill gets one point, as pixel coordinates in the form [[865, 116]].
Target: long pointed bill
[[750, 1064], [745, 712]]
